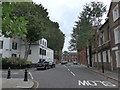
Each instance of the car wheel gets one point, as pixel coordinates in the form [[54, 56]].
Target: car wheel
[[45, 68]]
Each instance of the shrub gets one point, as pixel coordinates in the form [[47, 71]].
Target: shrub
[[15, 63]]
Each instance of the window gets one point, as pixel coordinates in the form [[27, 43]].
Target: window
[[43, 42], [14, 46], [1, 44], [109, 56], [0, 55], [95, 57], [44, 52], [99, 57], [14, 55], [101, 38], [40, 51], [115, 13], [104, 56], [118, 58], [117, 35]]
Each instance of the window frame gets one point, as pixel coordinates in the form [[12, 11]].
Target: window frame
[[116, 34], [1, 44], [14, 45], [116, 14]]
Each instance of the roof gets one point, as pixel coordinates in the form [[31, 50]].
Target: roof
[[104, 24]]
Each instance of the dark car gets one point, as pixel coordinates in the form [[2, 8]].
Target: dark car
[[43, 65], [52, 64], [63, 62]]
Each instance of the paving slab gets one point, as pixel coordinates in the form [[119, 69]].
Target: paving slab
[[16, 83]]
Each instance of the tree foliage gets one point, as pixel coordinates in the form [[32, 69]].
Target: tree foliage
[[31, 22], [55, 37], [12, 25], [90, 17]]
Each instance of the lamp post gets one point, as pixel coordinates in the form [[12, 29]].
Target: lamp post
[[101, 37]]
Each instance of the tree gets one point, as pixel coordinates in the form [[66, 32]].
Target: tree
[[89, 18], [37, 16], [55, 37], [37, 26], [12, 25]]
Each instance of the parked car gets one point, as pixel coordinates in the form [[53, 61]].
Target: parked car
[[43, 65], [63, 62], [52, 64], [75, 62]]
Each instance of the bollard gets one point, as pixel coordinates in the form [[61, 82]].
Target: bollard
[[9, 73], [25, 75]]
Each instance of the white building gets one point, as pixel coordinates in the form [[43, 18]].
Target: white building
[[39, 51]]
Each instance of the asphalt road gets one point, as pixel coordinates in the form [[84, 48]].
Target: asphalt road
[[70, 76]]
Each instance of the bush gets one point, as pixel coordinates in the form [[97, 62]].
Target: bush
[[15, 63]]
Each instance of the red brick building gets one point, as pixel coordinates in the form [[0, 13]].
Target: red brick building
[[70, 57], [105, 48], [82, 57]]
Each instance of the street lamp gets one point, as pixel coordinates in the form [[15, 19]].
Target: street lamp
[[101, 37]]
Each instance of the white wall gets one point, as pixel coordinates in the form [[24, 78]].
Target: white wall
[[50, 55], [7, 50], [34, 57]]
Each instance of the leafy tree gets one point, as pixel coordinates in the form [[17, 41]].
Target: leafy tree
[[12, 25], [37, 16], [89, 18], [55, 37], [35, 24]]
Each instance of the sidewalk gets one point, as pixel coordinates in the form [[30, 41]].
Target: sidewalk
[[107, 74], [16, 83]]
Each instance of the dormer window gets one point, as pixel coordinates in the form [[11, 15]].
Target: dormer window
[[116, 13]]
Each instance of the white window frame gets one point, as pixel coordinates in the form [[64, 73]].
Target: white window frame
[[117, 59], [109, 56], [99, 57], [104, 56], [116, 34], [116, 13], [95, 57]]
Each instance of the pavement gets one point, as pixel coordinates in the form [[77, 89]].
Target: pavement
[[108, 74], [16, 83]]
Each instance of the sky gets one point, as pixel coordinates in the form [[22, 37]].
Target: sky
[[66, 12]]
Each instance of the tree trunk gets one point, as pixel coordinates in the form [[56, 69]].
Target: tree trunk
[[60, 54], [78, 56], [90, 55], [27, 49]]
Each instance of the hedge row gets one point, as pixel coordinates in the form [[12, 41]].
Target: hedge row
[[15, 63]]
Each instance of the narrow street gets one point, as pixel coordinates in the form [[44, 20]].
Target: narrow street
[[70, 76]]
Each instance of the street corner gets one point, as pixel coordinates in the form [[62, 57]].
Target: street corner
[[25, 84], [17, 83]]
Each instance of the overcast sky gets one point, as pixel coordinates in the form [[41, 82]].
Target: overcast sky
[[66, 12]]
